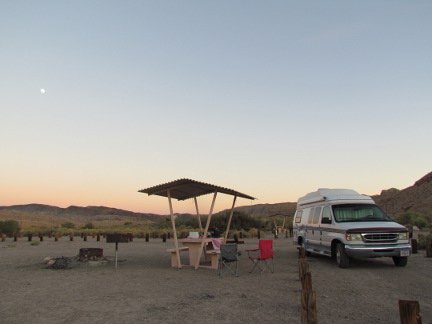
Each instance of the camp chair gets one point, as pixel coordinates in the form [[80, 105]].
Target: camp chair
[[261, 256], [228, 255]]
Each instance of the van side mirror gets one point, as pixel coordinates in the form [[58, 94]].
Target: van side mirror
[[326, 221]]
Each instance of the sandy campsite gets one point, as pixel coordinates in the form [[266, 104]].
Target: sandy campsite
[[145, 289]]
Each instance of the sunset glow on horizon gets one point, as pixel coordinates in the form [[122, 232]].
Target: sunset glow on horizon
[[270, 99]]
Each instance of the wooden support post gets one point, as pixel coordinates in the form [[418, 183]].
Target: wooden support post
[[98, 237], [147, 237], [229, 219], [3, 237], [131, 237], [84, 237], [174, 230], [169, 235], [259, 234], [409, 311], [56, 238], [29, 237], [71, 237], [198, 215], [206, 231], [41, 237], [164, 237], [15, 237]]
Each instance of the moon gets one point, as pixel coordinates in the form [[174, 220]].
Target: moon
[[42, 91]]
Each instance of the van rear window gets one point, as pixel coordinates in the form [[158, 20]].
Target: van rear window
[[298, 216]]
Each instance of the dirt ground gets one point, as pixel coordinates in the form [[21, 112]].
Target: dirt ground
[[145, 289]]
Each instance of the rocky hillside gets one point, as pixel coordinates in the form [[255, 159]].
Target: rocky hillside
[[415, 199]]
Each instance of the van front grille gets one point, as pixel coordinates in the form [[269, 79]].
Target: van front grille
[[380, 237]]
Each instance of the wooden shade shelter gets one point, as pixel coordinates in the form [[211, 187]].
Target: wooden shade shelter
[[183, 189]]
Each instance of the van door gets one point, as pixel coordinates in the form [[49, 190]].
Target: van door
[[314, 231], [326, 226]]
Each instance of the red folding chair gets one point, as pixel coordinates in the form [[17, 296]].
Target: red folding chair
[[262, 256]]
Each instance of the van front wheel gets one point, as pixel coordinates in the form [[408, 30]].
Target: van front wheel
[[400, 261], [342, 258]]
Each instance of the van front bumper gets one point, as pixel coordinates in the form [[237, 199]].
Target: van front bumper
[[376, 251]]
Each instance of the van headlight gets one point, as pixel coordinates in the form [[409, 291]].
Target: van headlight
[[403, 236], [353, 237]]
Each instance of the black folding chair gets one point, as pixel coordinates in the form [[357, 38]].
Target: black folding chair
[[228, 255]]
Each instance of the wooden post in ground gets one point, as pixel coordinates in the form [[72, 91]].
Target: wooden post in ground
[[308, 296], [29, 237], [56, 237], [414, 246], [429, 248], [15, 237], [98, 237], [259, 234], [303, 268], [147, 237], [302, 253], [164, 237], [71, 237], [3, 237], [409, 311], [308, 302], [41, 237]]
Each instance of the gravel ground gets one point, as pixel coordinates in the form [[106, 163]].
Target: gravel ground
[[145, 289]]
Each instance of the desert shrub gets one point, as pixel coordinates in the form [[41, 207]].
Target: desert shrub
[[423, 239], [420, 220], [89, 225], [240, 221], [68, 225], [9, 227]]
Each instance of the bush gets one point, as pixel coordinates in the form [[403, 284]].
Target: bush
[[420, 220], [68, 225], [88, 226], [9, 227], [423, 239]]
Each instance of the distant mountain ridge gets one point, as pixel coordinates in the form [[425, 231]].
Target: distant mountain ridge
[[416, 198], [77, 211]]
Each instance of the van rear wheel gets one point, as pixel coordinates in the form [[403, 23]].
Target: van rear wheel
[[342, 258], [400, 261]]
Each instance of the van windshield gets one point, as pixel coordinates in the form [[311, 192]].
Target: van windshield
[[359, 213]]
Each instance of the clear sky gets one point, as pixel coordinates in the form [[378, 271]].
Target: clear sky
[[271, 98]]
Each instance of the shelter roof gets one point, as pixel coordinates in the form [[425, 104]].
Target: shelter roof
[[183, 189]]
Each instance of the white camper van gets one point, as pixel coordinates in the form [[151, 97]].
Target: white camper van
[[344, 224]]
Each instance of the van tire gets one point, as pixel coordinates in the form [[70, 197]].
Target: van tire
[[342, 259], [400, 261]]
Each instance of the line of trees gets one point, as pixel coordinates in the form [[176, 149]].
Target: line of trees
[[9, 227]]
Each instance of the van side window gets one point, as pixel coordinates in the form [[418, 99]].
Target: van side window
[[309, 214], [298, 216], [326, 215], [316, 215]]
